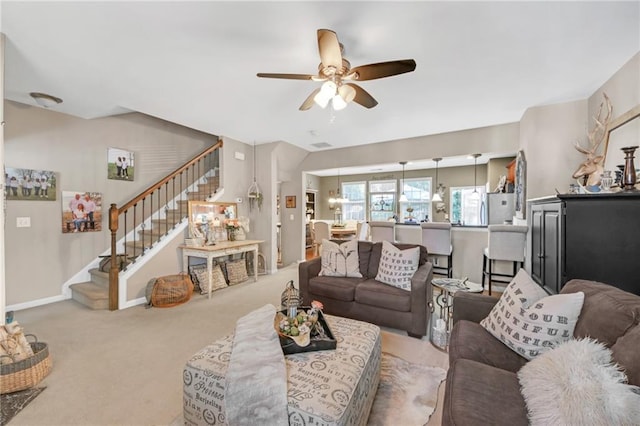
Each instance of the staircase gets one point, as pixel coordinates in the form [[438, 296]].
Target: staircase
[[95, 293]]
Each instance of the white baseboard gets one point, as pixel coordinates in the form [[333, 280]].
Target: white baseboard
[[35, 303]]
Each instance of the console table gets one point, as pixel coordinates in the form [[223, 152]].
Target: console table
[[221, 249]]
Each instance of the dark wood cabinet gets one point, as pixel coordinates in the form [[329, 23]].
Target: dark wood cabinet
[[546, 245], [589, 236]]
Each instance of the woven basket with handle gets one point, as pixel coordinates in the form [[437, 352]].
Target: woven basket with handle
[[25, 374]]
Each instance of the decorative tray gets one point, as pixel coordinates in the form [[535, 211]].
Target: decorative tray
[[320, 338]]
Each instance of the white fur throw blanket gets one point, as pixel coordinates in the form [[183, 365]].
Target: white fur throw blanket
[[256, 379]]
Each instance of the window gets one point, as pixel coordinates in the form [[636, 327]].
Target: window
[[382, 199], [418, 192], [355, 192], [465, 208]]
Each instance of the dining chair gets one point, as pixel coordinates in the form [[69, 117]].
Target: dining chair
[[383, 231], [506, 243], [362, 233], [436, 237], [320, 232]]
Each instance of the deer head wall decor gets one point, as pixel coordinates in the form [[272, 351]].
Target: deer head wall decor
[[592, 167]]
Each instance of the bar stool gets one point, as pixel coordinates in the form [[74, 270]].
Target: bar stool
[[383, 231], [436, 237], [506, 243]]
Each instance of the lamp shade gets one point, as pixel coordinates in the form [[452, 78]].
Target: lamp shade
[[437, 198], [326, 93]]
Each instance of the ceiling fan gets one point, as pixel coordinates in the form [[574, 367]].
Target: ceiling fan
[[336, 73]]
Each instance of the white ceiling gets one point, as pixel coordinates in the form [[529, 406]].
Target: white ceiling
[[195, 63]]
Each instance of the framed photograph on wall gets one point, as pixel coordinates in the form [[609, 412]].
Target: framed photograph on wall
[[120, 164], [81, 211], [290, 201], [521, 185], [30, 185]]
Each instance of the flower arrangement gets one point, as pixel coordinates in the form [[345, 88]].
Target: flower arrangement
[[232, 226]]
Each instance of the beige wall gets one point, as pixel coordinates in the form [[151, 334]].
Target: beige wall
[[40, 259], [548, 133], [623, 88]]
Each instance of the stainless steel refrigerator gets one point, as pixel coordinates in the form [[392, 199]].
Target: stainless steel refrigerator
[[501, 207]]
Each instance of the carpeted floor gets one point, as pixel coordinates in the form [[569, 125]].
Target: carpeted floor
[[12, 403], [125, 367]]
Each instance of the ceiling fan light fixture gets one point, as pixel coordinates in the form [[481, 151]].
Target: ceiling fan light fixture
[[44, 100], [347, 93], [326, 93], [338, 103]]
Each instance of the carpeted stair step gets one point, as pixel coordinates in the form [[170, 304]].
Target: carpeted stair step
[[99, 278], [91, 295]]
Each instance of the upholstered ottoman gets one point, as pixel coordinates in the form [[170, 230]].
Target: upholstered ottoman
[[334, 387]]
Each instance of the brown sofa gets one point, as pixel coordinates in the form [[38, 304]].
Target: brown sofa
[[368, 300], [482, 386]]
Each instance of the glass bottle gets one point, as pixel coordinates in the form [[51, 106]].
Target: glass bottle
[[606, 180]]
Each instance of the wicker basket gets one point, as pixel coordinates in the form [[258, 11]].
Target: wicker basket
[[27, 373]]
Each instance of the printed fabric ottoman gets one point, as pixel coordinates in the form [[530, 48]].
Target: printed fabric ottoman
[[333, 387]]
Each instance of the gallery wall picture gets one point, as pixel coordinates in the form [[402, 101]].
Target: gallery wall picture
[[30, 185], [120, 164], [81, 211]]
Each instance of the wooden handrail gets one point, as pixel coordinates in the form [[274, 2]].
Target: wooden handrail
[[115, 213], [158, 184]]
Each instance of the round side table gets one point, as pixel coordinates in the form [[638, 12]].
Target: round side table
[[442, 308]]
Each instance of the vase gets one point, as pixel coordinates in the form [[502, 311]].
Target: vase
[[231, 234], [629, 174]]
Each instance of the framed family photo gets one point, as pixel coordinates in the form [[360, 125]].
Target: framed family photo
[[120, 164], [29, 184], [81, 211]]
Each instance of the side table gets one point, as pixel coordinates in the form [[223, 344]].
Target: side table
[[442, 307]]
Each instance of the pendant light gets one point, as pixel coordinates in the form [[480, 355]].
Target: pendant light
[[436, 195], [403, 197], [475, 195], [338, 198], [253, 193]]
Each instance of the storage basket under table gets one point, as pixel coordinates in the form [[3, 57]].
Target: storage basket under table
[[25, 374]]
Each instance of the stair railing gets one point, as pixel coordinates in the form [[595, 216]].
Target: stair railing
[[165, 199]]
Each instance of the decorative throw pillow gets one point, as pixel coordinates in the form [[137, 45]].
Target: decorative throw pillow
[[397, 266], [217, 279], [529, 321], [236, 271], [576, 383], [193, 272], [340, 260]]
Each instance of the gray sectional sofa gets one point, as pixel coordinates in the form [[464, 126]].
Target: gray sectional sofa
[[366, 299], [482, 386]]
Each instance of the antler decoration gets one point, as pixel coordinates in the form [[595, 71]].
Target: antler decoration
[[593, 167]]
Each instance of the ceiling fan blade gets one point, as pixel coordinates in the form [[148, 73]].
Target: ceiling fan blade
[[363, 97], [329, 47], [287, 76], [382, 69], [308, 103]]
